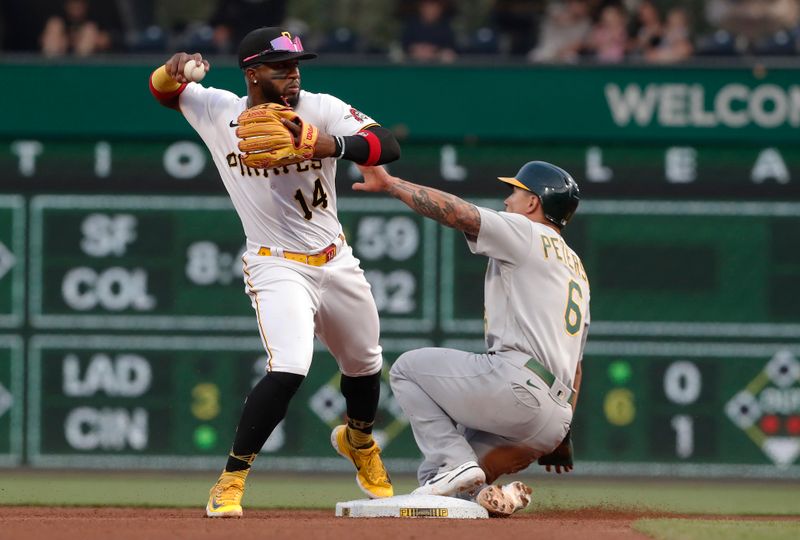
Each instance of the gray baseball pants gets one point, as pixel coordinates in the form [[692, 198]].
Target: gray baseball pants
[[461, 405]]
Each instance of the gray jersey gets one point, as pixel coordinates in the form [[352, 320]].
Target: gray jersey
[[536, 292]]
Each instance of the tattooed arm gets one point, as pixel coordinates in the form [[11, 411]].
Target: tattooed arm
[[443, 207]]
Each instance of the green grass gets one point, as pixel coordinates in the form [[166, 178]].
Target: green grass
[[266, 490], [175, 490], [673, 496], [697, 529]]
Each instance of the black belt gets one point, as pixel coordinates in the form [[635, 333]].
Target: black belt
[[549, 379]]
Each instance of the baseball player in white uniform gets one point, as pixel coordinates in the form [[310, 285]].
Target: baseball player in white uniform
[[478, 416], [299, 271]]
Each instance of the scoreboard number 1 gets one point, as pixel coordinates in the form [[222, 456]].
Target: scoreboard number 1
[[682, 386], [684, 435]]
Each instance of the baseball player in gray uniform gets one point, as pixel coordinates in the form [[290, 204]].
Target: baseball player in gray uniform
[[478, 416], [301, 275]]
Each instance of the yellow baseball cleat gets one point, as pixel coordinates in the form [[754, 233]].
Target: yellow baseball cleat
[[371, 475], [225, 498]]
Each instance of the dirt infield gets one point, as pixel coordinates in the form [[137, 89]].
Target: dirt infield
[[81, 523], [25, 523]]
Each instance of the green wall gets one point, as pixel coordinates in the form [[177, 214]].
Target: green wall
[[436, 103]]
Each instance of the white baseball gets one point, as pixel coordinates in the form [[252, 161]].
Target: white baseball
[[193, 72]]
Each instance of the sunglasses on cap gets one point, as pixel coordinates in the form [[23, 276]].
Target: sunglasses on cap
[[280, 44]]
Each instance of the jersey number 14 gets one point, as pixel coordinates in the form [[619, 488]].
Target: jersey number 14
[[319, 198]]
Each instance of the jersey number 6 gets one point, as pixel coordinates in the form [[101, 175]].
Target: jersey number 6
[[319, 198], [573, 316]]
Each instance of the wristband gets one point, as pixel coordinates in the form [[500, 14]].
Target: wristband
[[339, 147], [163, 86]]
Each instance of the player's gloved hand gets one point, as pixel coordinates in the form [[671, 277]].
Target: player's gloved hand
[[273, 135], [560, 458]]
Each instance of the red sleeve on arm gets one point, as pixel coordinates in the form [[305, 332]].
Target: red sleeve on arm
[[374, 147], [162, 96], [371, 146]]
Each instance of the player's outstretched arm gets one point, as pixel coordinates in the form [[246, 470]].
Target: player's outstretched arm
[[443, 207], [168, 81]]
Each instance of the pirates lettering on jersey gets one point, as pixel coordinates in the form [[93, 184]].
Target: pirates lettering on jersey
[[235, 160], [555, 249]]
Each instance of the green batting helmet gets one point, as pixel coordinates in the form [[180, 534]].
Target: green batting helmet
[[553, 185]]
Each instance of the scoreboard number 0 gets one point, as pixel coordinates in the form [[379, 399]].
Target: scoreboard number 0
[[682, 382], [682, 386]]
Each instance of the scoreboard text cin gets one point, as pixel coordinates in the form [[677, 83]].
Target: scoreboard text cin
[[105, 426]]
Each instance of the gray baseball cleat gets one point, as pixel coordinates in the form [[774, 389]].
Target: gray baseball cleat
[[466, 478], [504, 501]]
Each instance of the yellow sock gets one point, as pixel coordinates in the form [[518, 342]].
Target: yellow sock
[[359, 439]]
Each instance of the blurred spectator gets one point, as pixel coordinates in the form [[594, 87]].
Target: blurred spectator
[[608, 40], [235, 18], [675, 44], [563, 32], [185, 23], [428, 35], [349, 26], [483, 41], [763, 27], [136, 14], [75, 31], [753, 19], [647, 29], [23, 21], [340, 40], [517, 22]]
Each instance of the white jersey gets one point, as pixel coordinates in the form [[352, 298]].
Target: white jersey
[[536, 292], [292, 207]]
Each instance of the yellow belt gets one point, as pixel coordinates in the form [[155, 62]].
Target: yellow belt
[[313, 259]]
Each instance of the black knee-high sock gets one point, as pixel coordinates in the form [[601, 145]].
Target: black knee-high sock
[[264, 408], [362, 395]]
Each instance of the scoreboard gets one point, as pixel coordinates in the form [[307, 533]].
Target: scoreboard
[[126, 317], [718, 405], [175, 263], [666, 269], [687, 408], [11, 405], [12, 260], [152, 401], [632, 169]]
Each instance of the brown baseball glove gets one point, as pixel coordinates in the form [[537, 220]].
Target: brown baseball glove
[[266, 142]]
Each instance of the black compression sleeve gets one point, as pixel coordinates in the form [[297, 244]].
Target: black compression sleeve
[[383, 147], [264, 408], [362, 395]]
